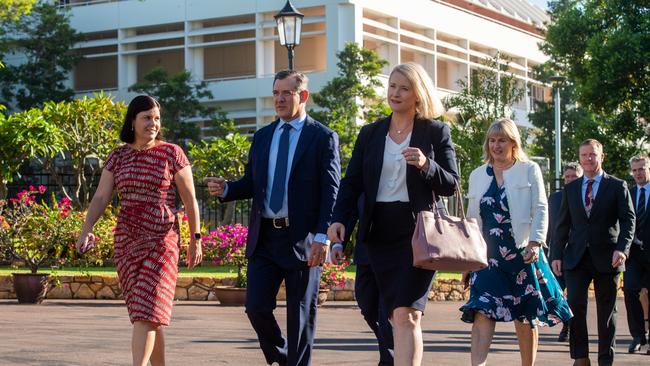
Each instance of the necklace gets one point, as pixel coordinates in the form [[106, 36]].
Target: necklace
[[143, 147], [399, 131], [505, 166]]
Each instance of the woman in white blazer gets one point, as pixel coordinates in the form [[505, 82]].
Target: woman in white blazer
[[507, 197]]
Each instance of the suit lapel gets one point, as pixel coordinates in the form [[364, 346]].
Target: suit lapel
[[376, 147], [306, 136], [417, 140], [265, 148], [602, 190], [633, 193], [577, 200]]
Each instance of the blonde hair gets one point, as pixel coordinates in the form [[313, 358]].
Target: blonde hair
[[504, 127], [428, 105]]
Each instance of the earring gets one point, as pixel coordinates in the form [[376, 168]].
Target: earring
[[132, 128]]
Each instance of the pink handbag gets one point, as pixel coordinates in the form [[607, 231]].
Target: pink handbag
[[447, 243]]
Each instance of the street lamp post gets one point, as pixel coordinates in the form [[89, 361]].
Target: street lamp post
[[557, 84], [289, 22]]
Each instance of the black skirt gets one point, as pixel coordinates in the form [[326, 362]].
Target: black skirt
[[391, 258]]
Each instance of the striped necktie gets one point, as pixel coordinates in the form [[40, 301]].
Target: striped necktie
[[589, 196]]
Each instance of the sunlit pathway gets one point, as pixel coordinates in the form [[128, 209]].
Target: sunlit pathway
[[204, 333]]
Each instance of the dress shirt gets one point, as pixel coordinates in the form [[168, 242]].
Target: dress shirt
[[638, 194], [392, 181], [594, 187], [294, 135]]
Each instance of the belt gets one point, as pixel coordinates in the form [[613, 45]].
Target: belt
[[278, 223]]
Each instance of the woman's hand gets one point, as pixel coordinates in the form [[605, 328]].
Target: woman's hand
[[194, 253], [531, 252], [415, 157], [85, 242], [336, 232]]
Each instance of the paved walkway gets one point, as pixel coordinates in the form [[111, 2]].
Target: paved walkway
[[74, 332]]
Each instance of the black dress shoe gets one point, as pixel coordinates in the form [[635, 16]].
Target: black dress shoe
[[635, 345], [564, 333]]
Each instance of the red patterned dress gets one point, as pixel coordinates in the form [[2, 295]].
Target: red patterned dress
[[146, 235]]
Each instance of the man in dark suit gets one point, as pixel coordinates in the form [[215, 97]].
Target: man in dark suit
[[637, 266], [292, 174], [571, 172], [594, 232], [366, 292]]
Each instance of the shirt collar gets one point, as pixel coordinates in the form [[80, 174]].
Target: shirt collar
[[297, 123], [646, 186], [596, 179]]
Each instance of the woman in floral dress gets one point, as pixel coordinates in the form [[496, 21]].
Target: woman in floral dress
[[147, 172], [506, 195]]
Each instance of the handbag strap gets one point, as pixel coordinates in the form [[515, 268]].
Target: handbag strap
[[459, 201]]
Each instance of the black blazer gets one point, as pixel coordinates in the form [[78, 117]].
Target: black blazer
[[609, 227], [433, 138], [313, 183], [554, 203], [642, 223]]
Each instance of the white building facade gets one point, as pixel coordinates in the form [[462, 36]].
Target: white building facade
[[233, 45]]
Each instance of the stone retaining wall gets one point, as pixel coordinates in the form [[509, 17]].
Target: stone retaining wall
[[202, 288]]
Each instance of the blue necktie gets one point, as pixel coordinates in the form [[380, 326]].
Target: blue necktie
[[280, 174]]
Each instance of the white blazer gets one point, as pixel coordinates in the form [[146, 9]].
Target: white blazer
[[524, 187]]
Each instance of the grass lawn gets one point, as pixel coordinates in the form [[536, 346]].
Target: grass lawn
[[203, 271]]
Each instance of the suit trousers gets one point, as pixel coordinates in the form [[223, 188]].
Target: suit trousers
[[636, 277], [272, 262], [605, 287], [366, 292]]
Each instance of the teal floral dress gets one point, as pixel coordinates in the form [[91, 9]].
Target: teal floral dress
[[509, 289]]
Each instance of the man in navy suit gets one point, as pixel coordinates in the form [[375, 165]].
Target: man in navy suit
[[593, 234], [292, 175], [637, 266], [571, 172], [366, 292]]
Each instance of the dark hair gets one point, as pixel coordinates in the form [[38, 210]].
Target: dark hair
[[301, 79], [139, 104], [573, 166]]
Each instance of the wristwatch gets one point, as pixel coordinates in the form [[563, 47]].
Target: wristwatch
[[197, 236]]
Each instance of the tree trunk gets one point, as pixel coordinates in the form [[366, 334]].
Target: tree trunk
[[229, 213], [3, 189], [79, 172], [48, 164]]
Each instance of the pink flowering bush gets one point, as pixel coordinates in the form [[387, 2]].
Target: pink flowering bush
[[332, 275], [37, 231], [227, 246]]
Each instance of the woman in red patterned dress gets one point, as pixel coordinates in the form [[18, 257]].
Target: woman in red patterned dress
[[146, 172]]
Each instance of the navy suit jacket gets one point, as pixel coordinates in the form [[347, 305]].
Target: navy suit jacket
[[313, 184], [609, 227], [433, 138], [554, 203], [642, 224]]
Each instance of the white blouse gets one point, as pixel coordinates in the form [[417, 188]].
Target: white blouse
[[392, 182]]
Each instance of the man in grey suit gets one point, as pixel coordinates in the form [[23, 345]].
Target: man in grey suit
[[594, 232]]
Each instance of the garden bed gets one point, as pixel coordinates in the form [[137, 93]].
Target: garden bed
[[197, 284]]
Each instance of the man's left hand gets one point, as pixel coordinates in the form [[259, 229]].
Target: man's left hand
[[618, 258], [318, 254]]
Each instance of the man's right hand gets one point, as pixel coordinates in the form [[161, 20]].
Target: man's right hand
[[336, 232], [216, 185], [557, 267]]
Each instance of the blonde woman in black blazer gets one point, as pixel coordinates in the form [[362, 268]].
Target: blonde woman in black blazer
[[398, 162]]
